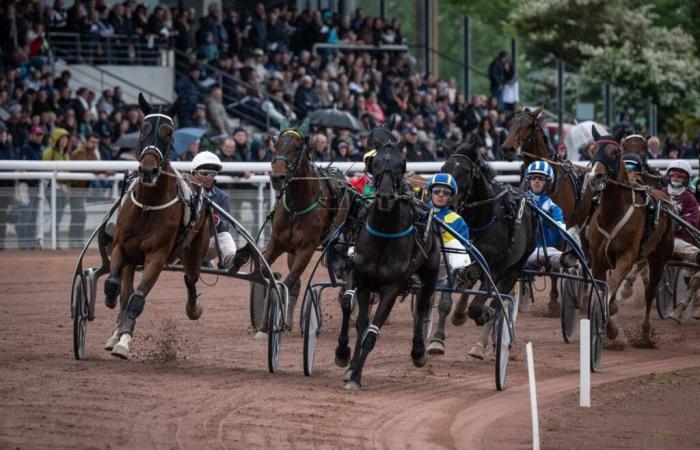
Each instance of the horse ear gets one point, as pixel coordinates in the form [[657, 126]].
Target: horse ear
[[620, 134], [304, 128], [594, 133], [144, 105], [537, 111], [175, 107]]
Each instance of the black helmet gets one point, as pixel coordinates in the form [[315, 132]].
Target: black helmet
[[632, 162]]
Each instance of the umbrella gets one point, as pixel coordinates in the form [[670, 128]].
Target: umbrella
[[580, 134], [184, 137], [127, 140], [334, 118]]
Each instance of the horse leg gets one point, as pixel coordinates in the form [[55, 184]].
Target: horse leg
[[371, 333], [437, 342], [505, 284], [127, 287], [626, 288], [656, 269], [363, 298], [553, 307], [459, 317], [424, 300], [296, 262], [192, 263], [113, 282], [137, 300], [622, 267], [342, 351]]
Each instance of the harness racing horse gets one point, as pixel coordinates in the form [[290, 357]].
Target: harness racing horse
[[500, 226], [150, 231], [389, 250], [525, 137], [313, 203], [620, 234]]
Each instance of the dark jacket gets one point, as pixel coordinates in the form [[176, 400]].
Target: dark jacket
[[497, 74], [188, 92], [31, 151], [220, 198], [7, 152], [305, 100], [418, 152], [689, 211]]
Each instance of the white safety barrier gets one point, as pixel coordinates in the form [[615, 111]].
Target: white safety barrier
[[585, 363], [533, 397]]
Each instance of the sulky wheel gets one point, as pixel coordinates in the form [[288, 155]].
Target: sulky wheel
[[275, 327], [80, 312], [312, 326], [666, 291], [523, 292], [571, 295], [503, 342], [597, 324]]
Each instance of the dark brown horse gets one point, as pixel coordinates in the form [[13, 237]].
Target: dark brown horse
[[313, 203], [526, 138], [620, 234], [150, 231]]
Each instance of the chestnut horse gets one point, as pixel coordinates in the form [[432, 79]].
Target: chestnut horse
[[619, 235], [313, 204], [150, 231], [525, 137]]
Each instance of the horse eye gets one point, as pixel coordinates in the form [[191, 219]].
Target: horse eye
[[145, 128], [166, 131]]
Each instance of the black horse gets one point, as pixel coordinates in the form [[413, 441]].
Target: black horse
[[389, 250], [501, 226]]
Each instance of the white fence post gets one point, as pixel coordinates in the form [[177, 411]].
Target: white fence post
[[54, 225], [585, 363], [40, 215], [533, 398], [261, 207]]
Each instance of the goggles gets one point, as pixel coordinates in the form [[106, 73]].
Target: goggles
[[441, 191], [537, 177], [207, 173]]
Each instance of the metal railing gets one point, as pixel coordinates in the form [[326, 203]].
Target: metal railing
[[92, 48], [34, 215], [359, 47]]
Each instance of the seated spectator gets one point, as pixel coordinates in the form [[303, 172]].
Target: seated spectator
[[487, 141], [319, 148], [413, 150], [200, 117], [305, 99]]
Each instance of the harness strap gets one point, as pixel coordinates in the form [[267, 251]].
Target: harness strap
[[616, 229], [306, 210], [153, 208], [380, 234]]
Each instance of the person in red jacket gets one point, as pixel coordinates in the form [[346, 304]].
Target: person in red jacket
[[684, 247]]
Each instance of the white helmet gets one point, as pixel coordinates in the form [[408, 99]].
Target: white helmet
[[680, 165], [206, 159]]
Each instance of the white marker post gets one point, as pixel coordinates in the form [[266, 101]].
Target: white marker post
[[585, 364], [533, 398]]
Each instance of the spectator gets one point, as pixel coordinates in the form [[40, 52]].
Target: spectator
[[486, 140], [59, 150], [416, 151], [654, 148], [693, 151], [305, 99], [32, 150], [118, 99], [6, 152], [511, 94], [188, 92], [227, 151], [88, 151], [342, 154], [319, 148], [220, 122], [105, 102], [200, 117], [257, 35], [497, 77], [470, 119], [191, 151], [244, 146], [372, 107]]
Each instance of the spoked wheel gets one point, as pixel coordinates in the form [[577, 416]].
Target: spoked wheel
[[257, 305], [597, 322], [275, 327], [571, 294], [504, 343], [312, 322], [666, 292], [80, 315]]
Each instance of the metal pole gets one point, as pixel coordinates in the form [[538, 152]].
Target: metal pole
[[382, 9], [40, 215], [466, 44], [54, 226], [607, 100], [514, 54], [656, 119], [426, 33], [560, 98], [261, 205]]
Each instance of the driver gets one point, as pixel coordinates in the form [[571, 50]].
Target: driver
[[363, 183], [539, 175], [205, 167], [679, 173]]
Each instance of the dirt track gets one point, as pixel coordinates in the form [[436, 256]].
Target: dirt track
[[219, 393]]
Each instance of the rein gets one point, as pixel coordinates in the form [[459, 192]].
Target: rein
[[380, 234]]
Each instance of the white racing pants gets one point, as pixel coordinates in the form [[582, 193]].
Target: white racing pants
[[457, 260], [536, 259], [226, 244]]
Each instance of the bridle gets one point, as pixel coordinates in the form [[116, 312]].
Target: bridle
[[532, 129], [385, 153], [612, 165], [465, 194], [156, 141], [283, 154]]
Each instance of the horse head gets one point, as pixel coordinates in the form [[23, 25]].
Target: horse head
[[464, 166], [636, 144], [388, 169], [378, 137], [154, 141], [290, 152], [521, 131], [606, 161]]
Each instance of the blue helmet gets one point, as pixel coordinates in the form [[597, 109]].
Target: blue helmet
[[541, 167], [444, 179]]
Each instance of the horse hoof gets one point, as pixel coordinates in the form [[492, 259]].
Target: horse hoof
[[347, 375], [112, 341], [112, 288], [420, 362], [459, 319], [260, 335], [553, 309], [352, 386], [478, 351], [121, 348], [614, 344], [193, 313], [436, 347], [342, 362]]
